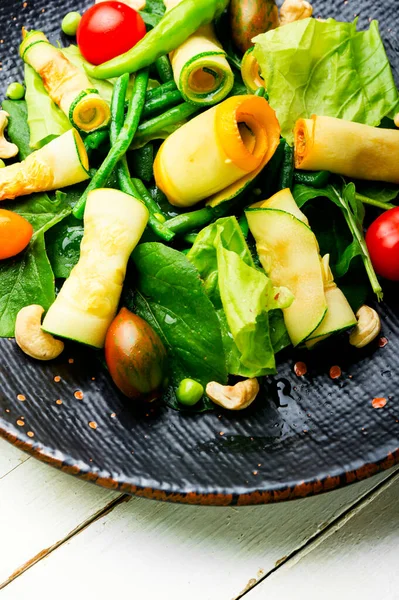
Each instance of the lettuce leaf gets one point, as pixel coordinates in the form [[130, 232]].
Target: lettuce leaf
[[46, 121], [243, 296], [326, 68]]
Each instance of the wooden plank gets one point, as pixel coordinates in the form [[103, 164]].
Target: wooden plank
[[39, 507], [176, 552], [357, 559], [10, 458]]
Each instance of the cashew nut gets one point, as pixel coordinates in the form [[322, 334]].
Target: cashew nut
[[31, 338], [233, 397], [7, 149], [367, 328], [294, 10]]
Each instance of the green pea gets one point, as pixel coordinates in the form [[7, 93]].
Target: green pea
[[2, 164], [70, 23], [15, 91], [189, 392]]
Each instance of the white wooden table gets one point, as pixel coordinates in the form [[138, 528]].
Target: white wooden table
[[64, 538]]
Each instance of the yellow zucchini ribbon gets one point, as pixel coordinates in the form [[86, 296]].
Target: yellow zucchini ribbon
[[66, 85], [352, 149], [216, 154]]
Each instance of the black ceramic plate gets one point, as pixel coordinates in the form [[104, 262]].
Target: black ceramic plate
[[303, 435]]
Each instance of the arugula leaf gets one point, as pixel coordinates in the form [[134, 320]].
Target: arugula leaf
[[352, 209], [18, 130], [171, 297], [326, 68], [153, 12]]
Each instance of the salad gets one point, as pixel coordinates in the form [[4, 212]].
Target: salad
[[184, 190]]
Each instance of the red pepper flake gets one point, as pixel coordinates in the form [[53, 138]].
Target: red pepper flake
[[300, 369], [21, 397], [79, 395], [57, 379], [30, 434], [59, 401], [379, 402], [92, 424], [382, 342], [20, 423], [71, 361], [335, 372]]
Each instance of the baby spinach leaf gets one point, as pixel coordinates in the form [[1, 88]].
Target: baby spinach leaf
[[326, 68], [171, 297], [24, 280], [18, 130], [63, 245], [153, 12]]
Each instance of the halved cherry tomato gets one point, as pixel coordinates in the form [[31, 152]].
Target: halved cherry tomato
[[107, 30], [135, 356], [15, 233], [382, 241]]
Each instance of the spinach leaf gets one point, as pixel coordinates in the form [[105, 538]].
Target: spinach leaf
[[63, 245], [28, 278], [171, 297], [18, 130], [352, 209], [153, 12], [326, 68]]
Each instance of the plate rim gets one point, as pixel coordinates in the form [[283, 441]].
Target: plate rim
[[272, 495]]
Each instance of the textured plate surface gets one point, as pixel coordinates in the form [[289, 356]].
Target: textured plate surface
[[303, 435]]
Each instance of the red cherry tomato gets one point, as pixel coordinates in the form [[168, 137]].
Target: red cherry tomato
[[382, 241], [107, 30], [15, 233]]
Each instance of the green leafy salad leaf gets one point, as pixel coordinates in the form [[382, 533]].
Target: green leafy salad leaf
[[326, 68], [18, 130], [352, 209], [153, 12], [171, 297], [45, 120], [242, 295]]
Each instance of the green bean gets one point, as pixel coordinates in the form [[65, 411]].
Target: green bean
[[142, 161], [169, 86], [260, 92], [161, 102], [164, 68], [196, 219], [122, 143], [317, 179], [156, 219], [94, 140], [190, 238], [286, 176], [160, 125], [122, 169]]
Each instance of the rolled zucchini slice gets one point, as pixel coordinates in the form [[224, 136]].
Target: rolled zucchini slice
[[87, 302], [66, 85], [215, 154], [250, 72], [60, 163], [352, 149], [200, 67]]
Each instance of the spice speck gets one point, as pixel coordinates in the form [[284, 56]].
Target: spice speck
[[335, 372], [20, 423], [113, 415], [57, 379], [378, 402], [30, 434], [71, 361], [59, 401], [79, 395], [92, 424], [382, 342], [21, 397], [300, 369]]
